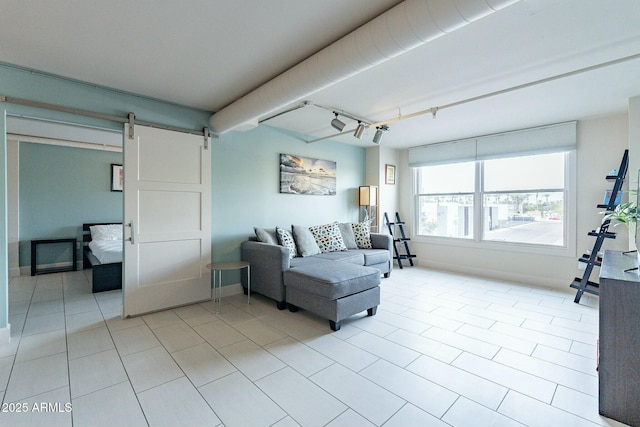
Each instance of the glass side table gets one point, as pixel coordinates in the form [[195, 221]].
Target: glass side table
[[219, 267]]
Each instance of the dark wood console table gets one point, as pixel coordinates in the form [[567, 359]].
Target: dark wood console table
[[619, 344], [34, 256]]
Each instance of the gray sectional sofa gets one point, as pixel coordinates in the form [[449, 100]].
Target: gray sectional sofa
[[334, 284]]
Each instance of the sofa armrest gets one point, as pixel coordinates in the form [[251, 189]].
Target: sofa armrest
[[267, 264], [382, 241]]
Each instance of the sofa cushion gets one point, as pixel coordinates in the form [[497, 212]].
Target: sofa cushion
[[324, 278], [353, 256], [362, 232], [328, 237], [347, 235], [374, 256], [266, 235], [286, 239], [305, 241]]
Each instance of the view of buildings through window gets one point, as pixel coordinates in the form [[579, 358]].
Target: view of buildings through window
[[515, 199]]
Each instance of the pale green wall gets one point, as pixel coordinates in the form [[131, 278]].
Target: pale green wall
[[4, 242], [245, 187], [60, 189]]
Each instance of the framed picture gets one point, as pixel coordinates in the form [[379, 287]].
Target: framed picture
[[305, 175], [390, 174], [117, 177]]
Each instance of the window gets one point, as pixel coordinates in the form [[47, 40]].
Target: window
[[512, 200]]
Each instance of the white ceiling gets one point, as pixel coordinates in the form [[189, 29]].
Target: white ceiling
[[208, 53]]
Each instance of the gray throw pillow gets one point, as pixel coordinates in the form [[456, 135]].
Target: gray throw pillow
[[305, 242], [347, 235], [266, 235]]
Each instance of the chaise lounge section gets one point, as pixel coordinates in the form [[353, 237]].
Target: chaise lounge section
[[334, 284]]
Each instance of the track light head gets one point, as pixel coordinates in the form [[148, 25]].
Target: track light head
[[378, 136], [337, 123], [359, 130]]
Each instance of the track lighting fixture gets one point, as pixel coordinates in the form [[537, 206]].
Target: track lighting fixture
[[337, 123], [378, 135], [359, 130]]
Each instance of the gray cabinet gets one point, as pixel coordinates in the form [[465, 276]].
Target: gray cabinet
[[619, 344]]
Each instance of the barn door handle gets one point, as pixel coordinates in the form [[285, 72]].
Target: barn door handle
[[131, 239]]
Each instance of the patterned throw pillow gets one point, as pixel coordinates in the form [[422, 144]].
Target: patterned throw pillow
[[286, 239], [363, 235], [328, 237]]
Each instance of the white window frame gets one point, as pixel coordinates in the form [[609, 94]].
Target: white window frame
[[569, 218]]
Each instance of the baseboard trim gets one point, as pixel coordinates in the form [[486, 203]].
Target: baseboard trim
[[5, 334], [233, 289], [543, 282]]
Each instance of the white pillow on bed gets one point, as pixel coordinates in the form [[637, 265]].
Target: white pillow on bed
[[106, 232]]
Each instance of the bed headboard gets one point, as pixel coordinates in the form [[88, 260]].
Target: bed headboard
[[86, 232]]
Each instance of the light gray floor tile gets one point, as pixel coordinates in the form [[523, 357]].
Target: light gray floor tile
[[533, 336], [177, 336], [299, 356], [533, 413], [425, 345], [411, 416], [83, 321], [422, 393], [368, 399], [304, 401], [219, 334], [251, 359], [161, 319], [259, 332], [88, 342], [176, 403], [350, 418], [195, 315], [45, 323], [342, 352], [560, 331], [37, 376], [149, 368], [40, 345], [384, 349], [465, 410], [468, 344], [402, 322], [134, 339], [473, 387], [56, 413], [583, 364], [95, 372], [496, 338], [507, 376], [238, 402], [202, 364], [549, 371], [112, 406], [543, 346]]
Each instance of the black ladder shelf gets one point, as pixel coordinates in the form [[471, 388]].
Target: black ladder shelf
[[593, 259], [403, 239]]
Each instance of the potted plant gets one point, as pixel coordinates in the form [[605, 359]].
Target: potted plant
[[628, 214]]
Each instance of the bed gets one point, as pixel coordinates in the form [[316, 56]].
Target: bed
[[102, 252]]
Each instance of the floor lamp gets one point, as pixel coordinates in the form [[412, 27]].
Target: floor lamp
[[368, 201]]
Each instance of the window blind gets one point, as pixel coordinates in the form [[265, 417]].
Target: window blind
[[544, 139]]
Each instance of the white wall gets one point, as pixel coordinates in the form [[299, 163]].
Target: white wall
[[377, 158], [601, 143]]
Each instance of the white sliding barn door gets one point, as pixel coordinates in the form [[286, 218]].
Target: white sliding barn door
[[167, 215]]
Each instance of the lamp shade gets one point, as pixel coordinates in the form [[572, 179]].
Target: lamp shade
[[368, 195]]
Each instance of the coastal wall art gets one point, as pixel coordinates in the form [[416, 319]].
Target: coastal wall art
[[305, 175]]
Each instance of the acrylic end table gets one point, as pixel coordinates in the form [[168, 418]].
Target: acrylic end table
[[219, 267]]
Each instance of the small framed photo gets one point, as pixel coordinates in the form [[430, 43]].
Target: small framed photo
[[390, 174], [117, 177]]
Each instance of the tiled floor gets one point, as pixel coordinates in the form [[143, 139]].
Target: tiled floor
[[444, 349]]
